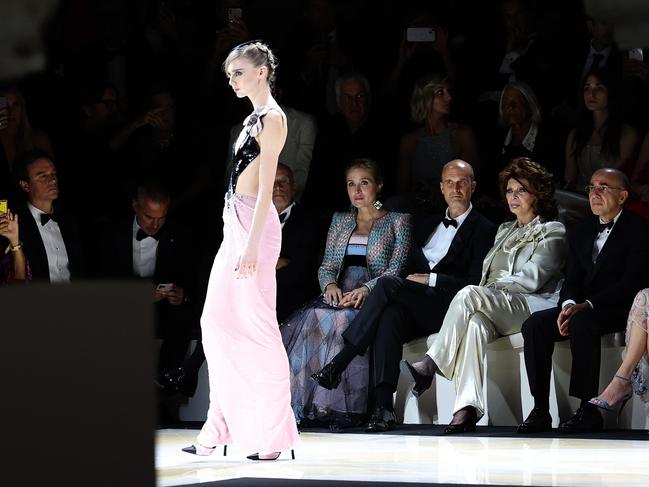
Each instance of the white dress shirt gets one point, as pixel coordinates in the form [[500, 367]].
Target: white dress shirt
[[598, 245], [287, 212], [588, 65], [439, 242], [57, 255], [144, 253]]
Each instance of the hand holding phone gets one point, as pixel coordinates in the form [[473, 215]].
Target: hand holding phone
[[4, 206], [164, 288], [420, 34], [234, 15]]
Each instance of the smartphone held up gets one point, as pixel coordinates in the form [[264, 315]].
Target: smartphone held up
[[420, 34]]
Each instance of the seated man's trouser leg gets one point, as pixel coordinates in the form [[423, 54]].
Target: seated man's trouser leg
[[174, 326], [477, 315], [395, 312], [585, 329]]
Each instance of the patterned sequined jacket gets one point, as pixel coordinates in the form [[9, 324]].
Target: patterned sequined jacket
[[388, 245]]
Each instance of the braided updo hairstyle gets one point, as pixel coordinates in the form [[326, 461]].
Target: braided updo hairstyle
[[259, 54]]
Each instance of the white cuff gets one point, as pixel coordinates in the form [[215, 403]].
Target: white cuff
[[432, 279], [567, 302]]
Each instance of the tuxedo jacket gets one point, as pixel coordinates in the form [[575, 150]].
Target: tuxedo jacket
[[302, 238], [34, 248], [175, 259], [621, 268], [462, 264]]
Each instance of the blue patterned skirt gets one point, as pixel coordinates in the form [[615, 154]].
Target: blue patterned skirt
[[312, 336]]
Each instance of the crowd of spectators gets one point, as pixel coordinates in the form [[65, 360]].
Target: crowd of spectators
[[128, 132]]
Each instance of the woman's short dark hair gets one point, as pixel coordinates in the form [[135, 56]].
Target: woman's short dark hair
[[537, 180], [368, 164]]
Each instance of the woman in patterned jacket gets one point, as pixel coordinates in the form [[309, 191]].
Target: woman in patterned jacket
[[362, 245]]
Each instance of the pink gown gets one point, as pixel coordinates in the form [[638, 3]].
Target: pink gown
[[247, 363]]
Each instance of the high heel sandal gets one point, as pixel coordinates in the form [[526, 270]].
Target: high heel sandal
[[204, 451], [616, 406], [255, 456]]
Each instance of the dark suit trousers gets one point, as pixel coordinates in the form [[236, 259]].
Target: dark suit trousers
[[540, 332], [174, 325], [395, 312]]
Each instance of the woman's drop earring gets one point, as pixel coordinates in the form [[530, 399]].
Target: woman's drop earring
[[378, 204]]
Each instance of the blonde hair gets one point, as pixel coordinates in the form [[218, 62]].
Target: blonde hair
[[421, 100], [259, 54], [25, 132]]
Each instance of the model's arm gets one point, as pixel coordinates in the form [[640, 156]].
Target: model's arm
[[271, 141]]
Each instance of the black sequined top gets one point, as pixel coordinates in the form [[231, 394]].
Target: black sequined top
[[248, 148]]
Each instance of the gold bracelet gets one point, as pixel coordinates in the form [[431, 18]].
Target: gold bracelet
[[16, 248]]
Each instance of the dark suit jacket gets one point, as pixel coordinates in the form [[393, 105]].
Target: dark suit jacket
[[462, 264], [35, 249], [175, 260], [302, 240], [621, 268]]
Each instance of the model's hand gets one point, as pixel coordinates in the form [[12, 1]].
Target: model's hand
[[333, 295], [354, 298], [420, 278], [246, 264], [9, 227]]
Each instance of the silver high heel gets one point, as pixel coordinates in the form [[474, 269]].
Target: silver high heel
[[616, 406]]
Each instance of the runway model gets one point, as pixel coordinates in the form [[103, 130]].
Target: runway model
[[247, 364]]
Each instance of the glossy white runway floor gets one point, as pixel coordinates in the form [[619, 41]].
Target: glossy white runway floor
[[401, 458]]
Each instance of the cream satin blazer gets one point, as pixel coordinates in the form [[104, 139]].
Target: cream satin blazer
[[536, 255]]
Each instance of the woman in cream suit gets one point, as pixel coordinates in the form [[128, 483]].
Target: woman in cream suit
[[521, 274]]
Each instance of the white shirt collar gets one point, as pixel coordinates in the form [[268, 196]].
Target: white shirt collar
[[287, 211], [460, 219], [528, 141], [615, 219]]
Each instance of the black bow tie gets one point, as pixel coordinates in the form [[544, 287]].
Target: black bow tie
[[47, 217], [603, 226], [449, 221], [141, 235], [282, 217]]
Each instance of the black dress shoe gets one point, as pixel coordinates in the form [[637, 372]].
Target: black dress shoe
[[466, 426], [382, 420], [327, 377], [172, 380], [538, 421], [585, 420], [422, 382]]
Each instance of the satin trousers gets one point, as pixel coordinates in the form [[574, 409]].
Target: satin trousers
[[477, 316]]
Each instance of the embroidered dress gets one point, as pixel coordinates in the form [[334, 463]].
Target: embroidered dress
[[247, 364], [313, 334], [639, 316]]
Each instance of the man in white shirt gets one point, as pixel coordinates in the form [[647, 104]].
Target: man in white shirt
[[50, 238], [447, 255], [609, 259]]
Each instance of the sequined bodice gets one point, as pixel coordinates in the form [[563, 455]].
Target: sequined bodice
[[246, 149]]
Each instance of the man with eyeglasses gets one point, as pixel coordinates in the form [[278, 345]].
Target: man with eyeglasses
[[608, 265], [302, 234]]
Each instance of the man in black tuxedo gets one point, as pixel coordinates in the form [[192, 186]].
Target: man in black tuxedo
[[609, 259], [447, 256], [50, 238], [149, 246], [296, 268]]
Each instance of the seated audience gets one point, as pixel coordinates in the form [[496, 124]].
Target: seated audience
[[640, 181], [520, 115], [16, 135], [13, 263], [362, 245], [423, 153], [351, 134], [520, 275], [633, 374], [600, 139], [297, 263], [447, 255], [149, 246], [607, 266], [50, 237]]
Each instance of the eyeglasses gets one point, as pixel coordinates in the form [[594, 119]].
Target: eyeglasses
[[601, 189]]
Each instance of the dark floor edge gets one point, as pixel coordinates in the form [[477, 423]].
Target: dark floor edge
[[481, 432]]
